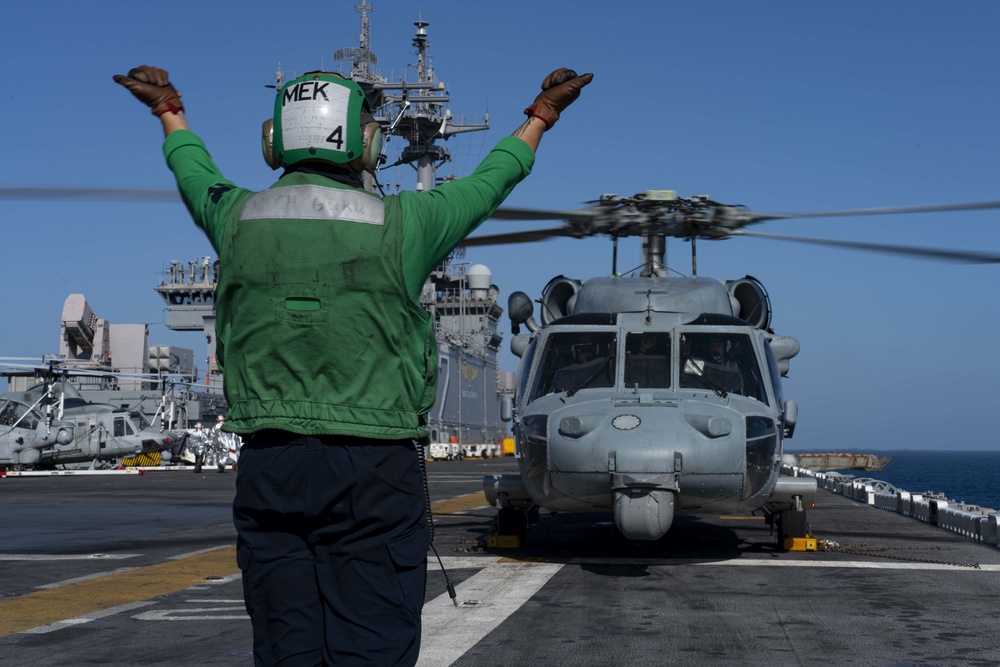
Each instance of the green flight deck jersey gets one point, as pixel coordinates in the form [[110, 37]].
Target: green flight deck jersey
[[318, 323]]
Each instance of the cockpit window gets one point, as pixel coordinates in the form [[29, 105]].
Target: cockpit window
[[13, 413], [526, 362], [721, 362], [141, 420], [572, 361], [647, 359], [775, 371]]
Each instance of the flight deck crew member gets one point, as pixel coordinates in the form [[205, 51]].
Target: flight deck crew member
[[330, 363]]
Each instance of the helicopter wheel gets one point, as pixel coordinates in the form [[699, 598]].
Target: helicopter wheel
[[511, 521], [791, 525]]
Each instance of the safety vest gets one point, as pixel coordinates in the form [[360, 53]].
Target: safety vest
[[316, 333]]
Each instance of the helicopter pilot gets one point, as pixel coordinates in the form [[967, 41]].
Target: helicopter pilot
[[584, 352], [713, 367], [718, 356], [588, 369]]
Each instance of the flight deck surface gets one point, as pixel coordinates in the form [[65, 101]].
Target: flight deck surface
[[140, 569]]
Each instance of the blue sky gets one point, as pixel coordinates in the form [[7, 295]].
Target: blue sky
[[781, 106]]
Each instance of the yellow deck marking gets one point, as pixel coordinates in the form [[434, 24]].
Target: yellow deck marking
[[460, 504], [45, 607], [87, 597]]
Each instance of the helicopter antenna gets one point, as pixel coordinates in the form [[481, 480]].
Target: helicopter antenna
[[694, 256]]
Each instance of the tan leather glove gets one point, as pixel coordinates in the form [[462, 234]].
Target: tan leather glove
[[559, 90], [152, 87]]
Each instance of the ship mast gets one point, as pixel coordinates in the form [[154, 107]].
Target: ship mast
[[416, 111]]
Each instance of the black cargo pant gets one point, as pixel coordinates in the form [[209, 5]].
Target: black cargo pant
[[333, 541]]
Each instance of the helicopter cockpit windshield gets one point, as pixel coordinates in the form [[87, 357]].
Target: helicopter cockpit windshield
[[17, 414], [576, 360], [647, 359], [722, 362], [140, 419]]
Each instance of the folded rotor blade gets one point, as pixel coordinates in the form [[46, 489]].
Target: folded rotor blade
[[515, 237], [926, 253], [87, 194], [756, 216]]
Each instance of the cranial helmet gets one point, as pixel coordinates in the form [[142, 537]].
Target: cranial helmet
[[324, 117]]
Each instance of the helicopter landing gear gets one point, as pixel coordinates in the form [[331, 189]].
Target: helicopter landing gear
[[510, 529], [511, 521], [793, 531]]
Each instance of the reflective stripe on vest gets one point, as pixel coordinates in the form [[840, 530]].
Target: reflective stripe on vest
[[313, 202]]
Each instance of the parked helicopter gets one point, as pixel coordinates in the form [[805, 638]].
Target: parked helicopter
[[649, 395], [51, 424]]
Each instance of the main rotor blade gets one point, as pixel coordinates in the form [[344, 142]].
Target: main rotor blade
[[504, 213], [968, 257], [87, 194], [515, 237], [756, 216]]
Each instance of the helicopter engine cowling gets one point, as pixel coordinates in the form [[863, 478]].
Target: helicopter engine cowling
[[750, 301], [784, 348], [559, 298]]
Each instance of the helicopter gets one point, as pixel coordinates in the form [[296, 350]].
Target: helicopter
[[652, 393], [50, 424]]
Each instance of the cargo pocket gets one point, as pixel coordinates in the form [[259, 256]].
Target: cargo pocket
[[409, 561], [244, 559]]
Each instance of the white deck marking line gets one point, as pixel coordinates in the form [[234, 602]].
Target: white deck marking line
[[96, 575], [86, 618], [196, 614], [855, 564], [485, 600], [20, 557], [460, 562]]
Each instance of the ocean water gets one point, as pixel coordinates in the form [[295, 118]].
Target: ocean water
[[967, 476]]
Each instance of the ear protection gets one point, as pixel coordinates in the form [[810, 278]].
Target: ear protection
[[371, 145], [267, 143], [371, 152]]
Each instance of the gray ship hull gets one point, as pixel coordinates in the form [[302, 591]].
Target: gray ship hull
[[467, 408]]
